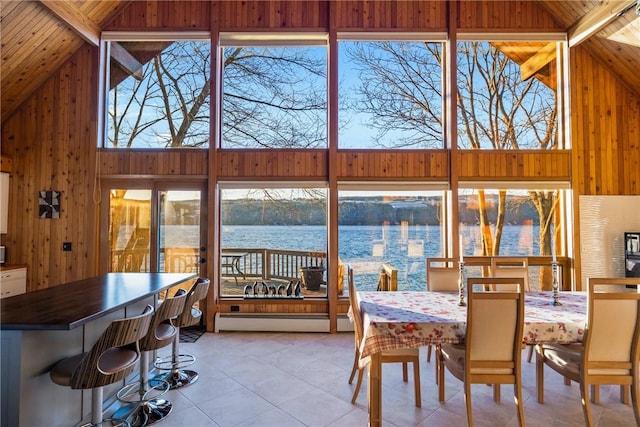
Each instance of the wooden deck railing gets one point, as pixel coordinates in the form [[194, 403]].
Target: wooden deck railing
[[255, 262], [270, 264]]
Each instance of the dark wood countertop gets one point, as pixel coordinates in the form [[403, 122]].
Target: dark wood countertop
[[73, 304]]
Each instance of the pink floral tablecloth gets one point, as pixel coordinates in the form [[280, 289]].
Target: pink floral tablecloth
[[413, 319]]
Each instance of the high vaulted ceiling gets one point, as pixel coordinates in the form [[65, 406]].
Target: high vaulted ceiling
[[39, 36]]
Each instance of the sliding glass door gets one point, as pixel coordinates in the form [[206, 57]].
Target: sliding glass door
[[153, 226]]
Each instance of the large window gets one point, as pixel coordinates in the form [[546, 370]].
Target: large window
[[390, 94], [399, 228], [513, 222], [158, 94], [507, 95], [271, 235], [274, 92]]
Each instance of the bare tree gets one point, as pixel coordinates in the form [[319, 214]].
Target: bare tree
[[169, 105], [272, 97], [496, 110], [400, 91]]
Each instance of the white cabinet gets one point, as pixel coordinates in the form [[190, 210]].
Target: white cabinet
[[13, 282], [4, 201]]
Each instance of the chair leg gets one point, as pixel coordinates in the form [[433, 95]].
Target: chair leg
[[624, 395], [429, 353], [354, 369], [467, 401], [635, 396], [530, 356], [496, 393], [440, 362], [517, 394], [586, 405], [358, 384], [595, 393], [405, 372], [436, 364], [540, 376], [416, 381]]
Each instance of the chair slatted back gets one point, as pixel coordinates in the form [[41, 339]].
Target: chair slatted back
[[510, 267], [120, 333], [190, 315], [612, 335], [495, 322], [442, 274]]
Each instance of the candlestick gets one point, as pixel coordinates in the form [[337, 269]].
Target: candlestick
[[461, 283], [555, 284]]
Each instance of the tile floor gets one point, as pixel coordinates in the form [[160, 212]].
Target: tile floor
[[300, 379]]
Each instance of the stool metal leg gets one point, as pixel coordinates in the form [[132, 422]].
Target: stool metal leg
[[176, 377], [148, 408], [97, 395]]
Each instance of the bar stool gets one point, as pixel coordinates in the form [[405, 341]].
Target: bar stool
[[143, 402], [111, 359], [176, 362]]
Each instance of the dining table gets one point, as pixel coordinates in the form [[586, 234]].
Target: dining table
[[403, 319]]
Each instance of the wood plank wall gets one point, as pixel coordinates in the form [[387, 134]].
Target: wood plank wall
[[189, 15], [51, 139], [605, 130], [537, 165], [175, 162], [412, 165], [52, 143], [269, 14], [388, 15], [268, 164]]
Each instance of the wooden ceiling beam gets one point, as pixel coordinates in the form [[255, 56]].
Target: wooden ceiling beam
[[127, 61], [74, 19], [598, 18], [537, 62]]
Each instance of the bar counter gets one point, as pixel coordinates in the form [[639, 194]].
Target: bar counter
[[39, 328], [74, 304]]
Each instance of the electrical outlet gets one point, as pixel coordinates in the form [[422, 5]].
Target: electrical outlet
[[66, 246]]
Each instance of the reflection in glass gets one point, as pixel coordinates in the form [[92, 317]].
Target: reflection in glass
[[179, 231], [129, 230], [397, 228]]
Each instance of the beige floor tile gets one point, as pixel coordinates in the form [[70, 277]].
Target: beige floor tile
[[271, 379]]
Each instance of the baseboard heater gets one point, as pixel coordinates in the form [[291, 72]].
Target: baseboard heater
[[274, 322]]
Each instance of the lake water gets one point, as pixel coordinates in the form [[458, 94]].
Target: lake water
[[367, 247]]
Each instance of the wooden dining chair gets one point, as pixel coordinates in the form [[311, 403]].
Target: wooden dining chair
[[401, 355], [504, 266], [491, 351], [442, 276], [610, 351]]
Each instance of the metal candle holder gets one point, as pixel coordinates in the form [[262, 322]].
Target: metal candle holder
[[461, 282], [554, 283]]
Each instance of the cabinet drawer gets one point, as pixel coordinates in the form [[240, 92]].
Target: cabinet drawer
[[13, 282]]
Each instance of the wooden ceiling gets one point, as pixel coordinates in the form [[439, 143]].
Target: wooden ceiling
[[38, 37]]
